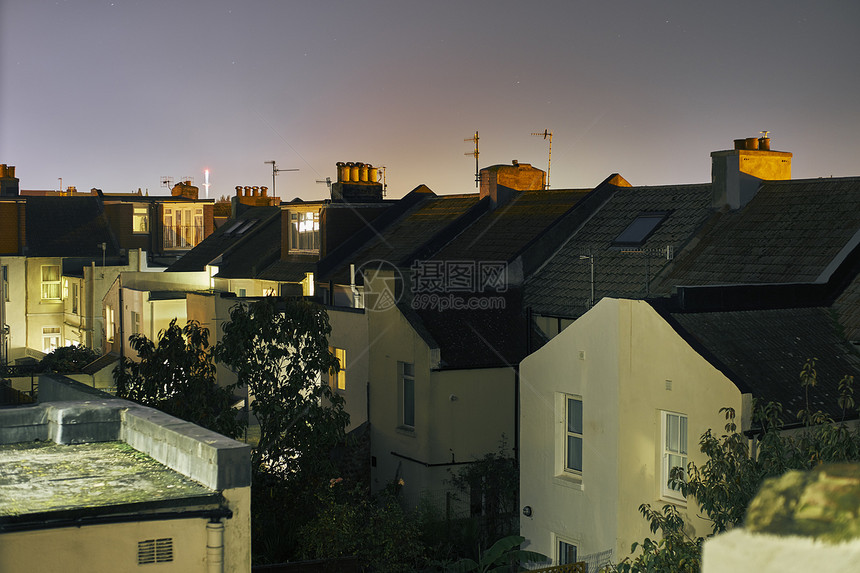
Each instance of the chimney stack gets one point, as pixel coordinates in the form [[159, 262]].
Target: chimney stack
[[736, 174]]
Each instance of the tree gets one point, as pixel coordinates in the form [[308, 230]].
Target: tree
[[491, 485], [177, 376], [503, 556], [726, 483], [279, 349], [375, 530], [67, 359]]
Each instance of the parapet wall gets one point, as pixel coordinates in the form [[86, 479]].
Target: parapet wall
[[205, 456]]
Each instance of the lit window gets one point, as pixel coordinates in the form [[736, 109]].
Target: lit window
[[135, 322], [183, 227], [4, 275], [338, 379], [50, 338], [566, 553], [640, 229], [74, 298], [573, 435], [407, 395], [109, 324], [674, 440], [305, 231], [50, 282], [308, 285], [140, 219]]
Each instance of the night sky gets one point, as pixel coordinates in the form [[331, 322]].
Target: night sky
[[117, 94]]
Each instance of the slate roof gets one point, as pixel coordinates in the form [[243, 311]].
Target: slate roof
[[502, 233], [789, 232], [562, 286], [67, 227], [401, 238], [228, 237], [474, 338], [763, 351]]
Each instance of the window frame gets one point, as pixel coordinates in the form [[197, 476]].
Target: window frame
[[337, 380], [562, 557], [51, 283], [682, 451], [55, 334], [640, 238], [572, 434], [140, 213], [406, 387], [4, 277], [109, 323], [297, 218]]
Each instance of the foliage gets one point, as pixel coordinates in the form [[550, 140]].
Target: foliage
[[726, 483], [504, 555], [491, 484], [375, 530], [177, 376], [674, 551], [67, 359], [278, 349]]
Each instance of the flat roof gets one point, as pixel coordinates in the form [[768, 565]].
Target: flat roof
[[91, 478]]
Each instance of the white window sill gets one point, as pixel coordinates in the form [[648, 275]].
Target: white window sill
[[406, 431], [677, 500], [565, 479]]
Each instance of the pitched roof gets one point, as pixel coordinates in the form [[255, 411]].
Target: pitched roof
[[791, 231], [244, 229], [493, 334], [562, 287], [408, 233], [763, 352], [500, 234], [67, 227]]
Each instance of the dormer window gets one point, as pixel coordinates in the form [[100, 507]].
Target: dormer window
[[140, 219], [305, 231], [640, 229]]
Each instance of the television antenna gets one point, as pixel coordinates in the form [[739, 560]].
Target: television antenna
[[275, 171], [475, 153], [327, 181], [547, 134], [166, 181]]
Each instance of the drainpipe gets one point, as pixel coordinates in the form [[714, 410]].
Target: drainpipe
[[215, 547]]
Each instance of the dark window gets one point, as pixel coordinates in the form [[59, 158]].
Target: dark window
[[640, 229]]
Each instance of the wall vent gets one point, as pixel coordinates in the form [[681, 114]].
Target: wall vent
[[155, 551]]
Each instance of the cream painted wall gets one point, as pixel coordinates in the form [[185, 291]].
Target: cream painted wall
[[104, 548], [349, 332], [16, 307], [617, 357], [651, 353], [467, 427], [41, 314], [582, 510]]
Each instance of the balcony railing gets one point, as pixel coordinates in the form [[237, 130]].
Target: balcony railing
[[182, 236]]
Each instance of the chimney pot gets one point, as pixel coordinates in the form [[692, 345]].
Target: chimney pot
[[264, 191]]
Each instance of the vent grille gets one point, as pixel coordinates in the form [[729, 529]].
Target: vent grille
[[155, 551]]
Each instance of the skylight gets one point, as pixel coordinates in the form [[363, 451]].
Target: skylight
[[640, 229]]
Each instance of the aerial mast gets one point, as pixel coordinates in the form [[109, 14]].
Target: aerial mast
[[475, 153], [275, 171], [547, 134]]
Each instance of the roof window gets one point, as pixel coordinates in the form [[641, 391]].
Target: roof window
[[640, 229]]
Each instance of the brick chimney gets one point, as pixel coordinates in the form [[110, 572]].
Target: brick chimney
[[185, 189], [8, 181], [736, 174], [356, 183], [502, 182]]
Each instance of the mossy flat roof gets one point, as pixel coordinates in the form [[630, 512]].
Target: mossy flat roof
[[92, 478]]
